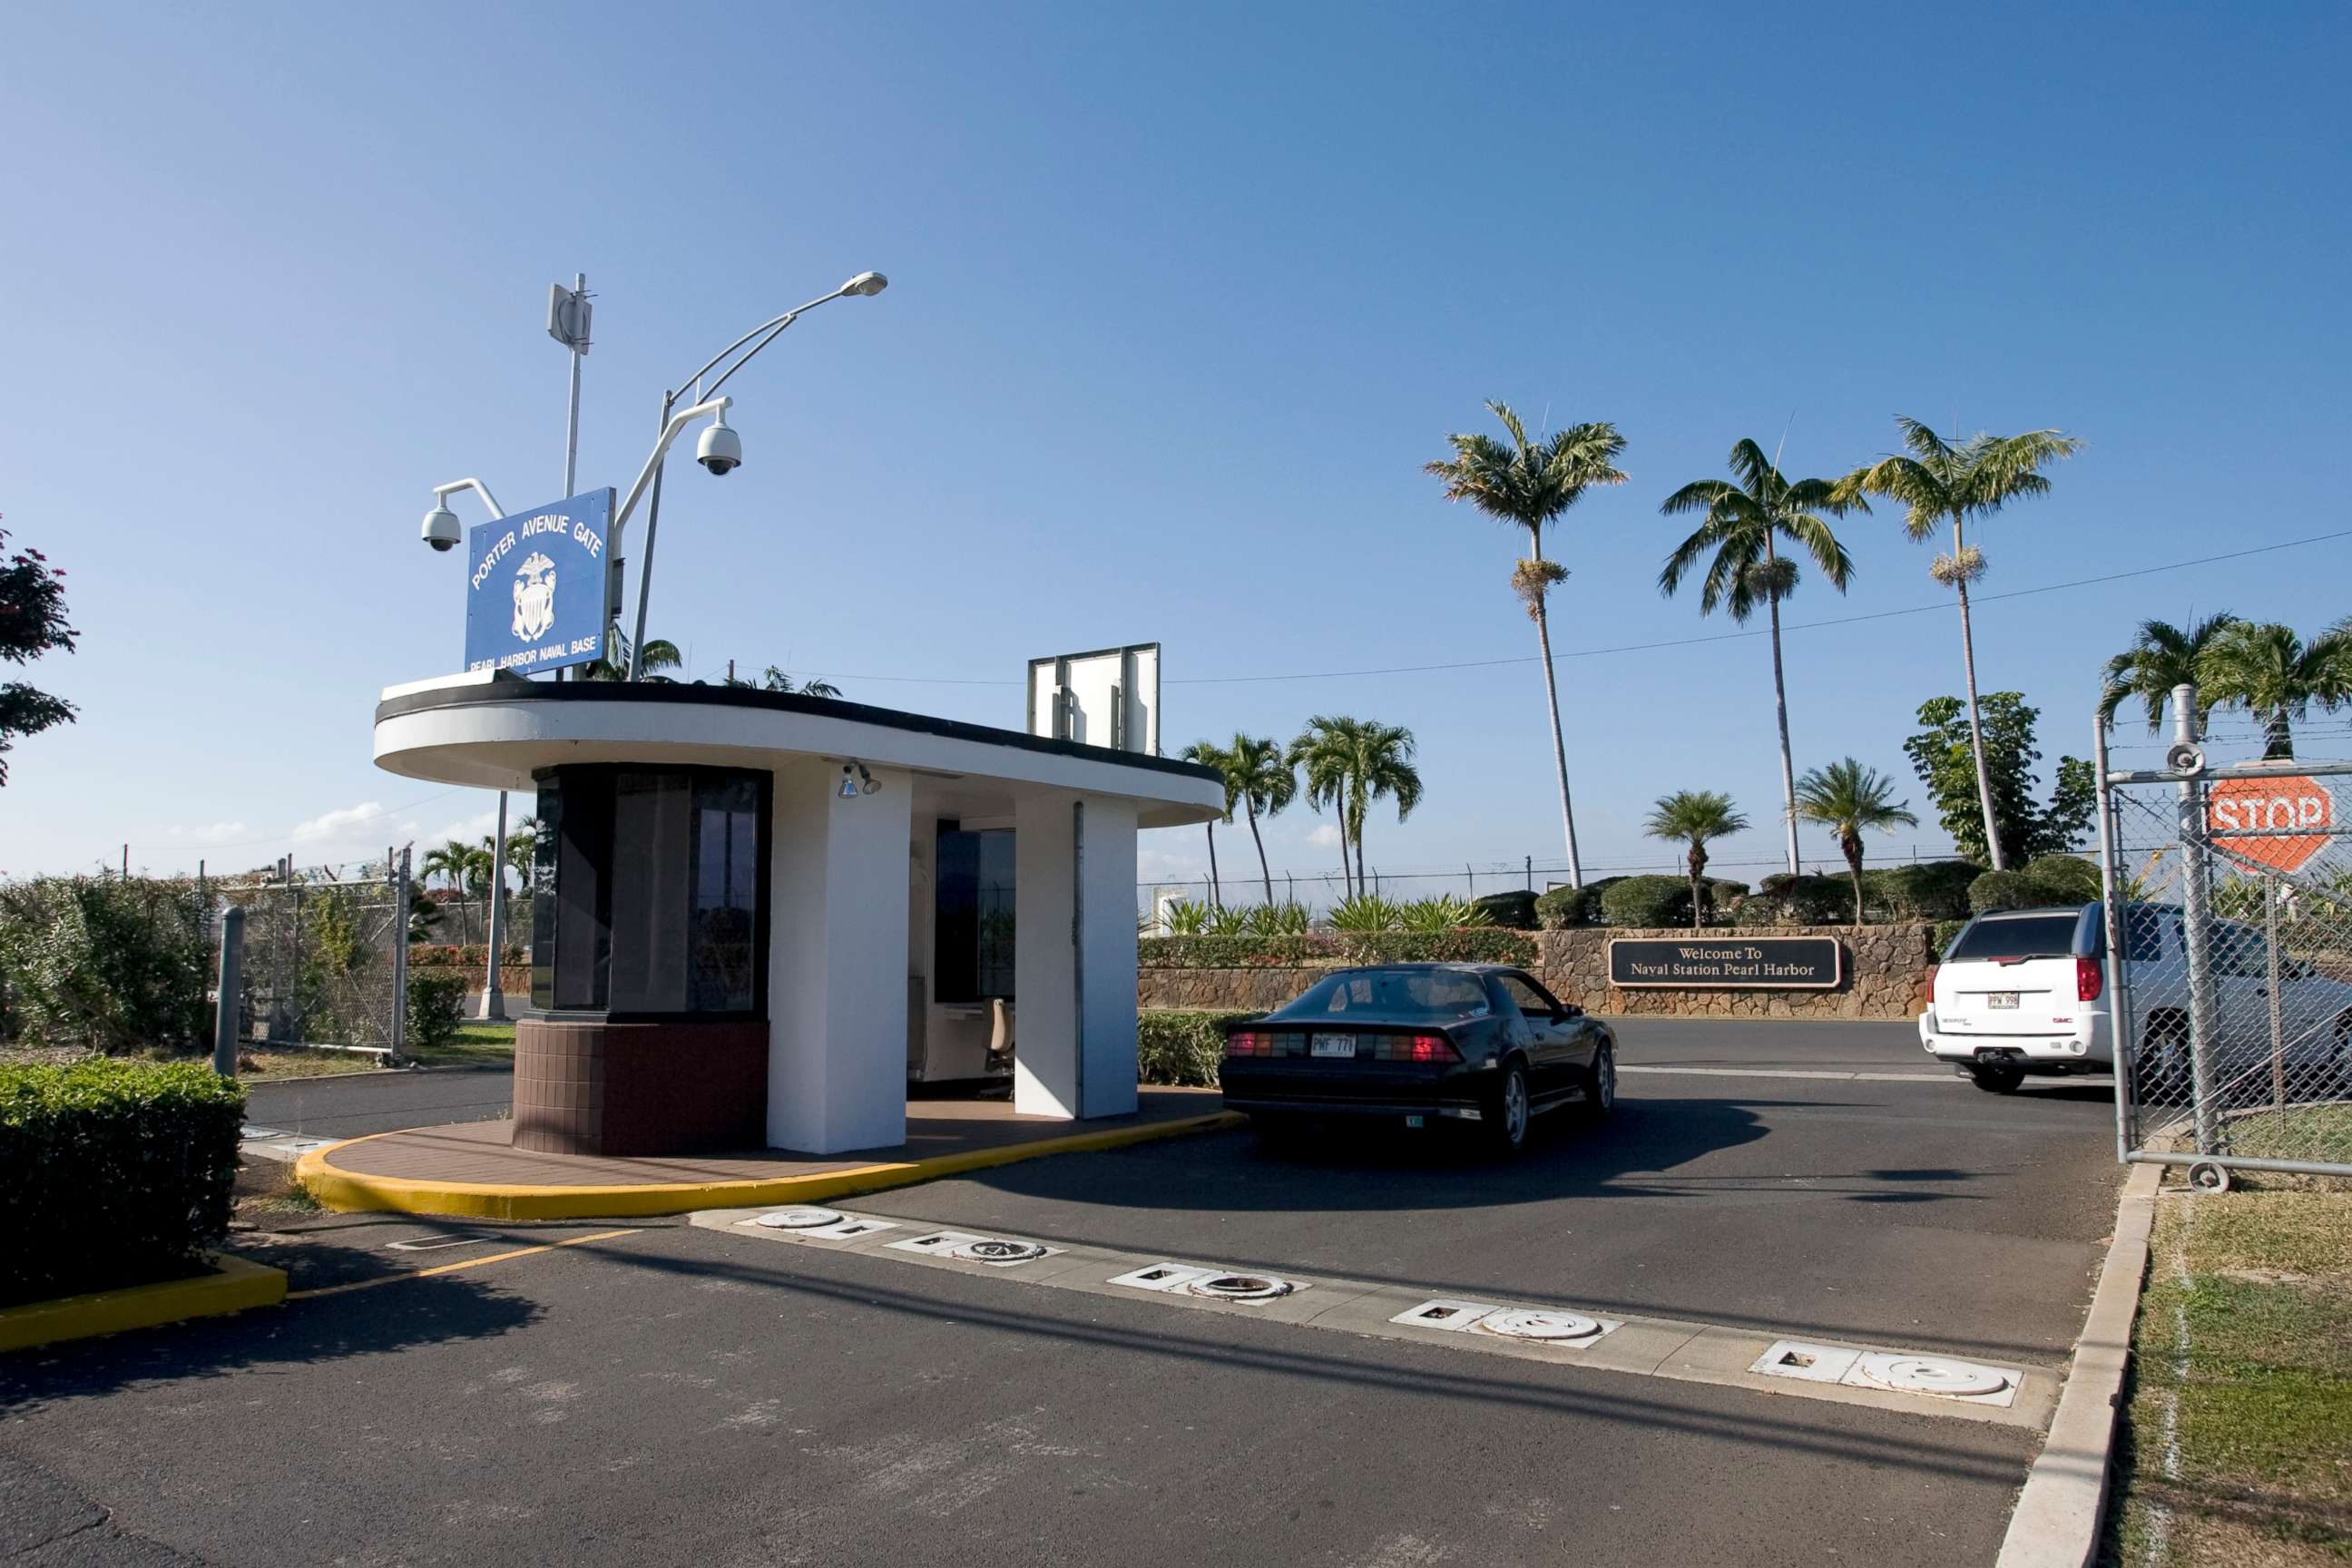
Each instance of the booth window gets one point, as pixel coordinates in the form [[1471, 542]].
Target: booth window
[[974, 923], [652, 891]]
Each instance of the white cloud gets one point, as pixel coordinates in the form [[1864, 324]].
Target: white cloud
[[207, 832], [337, 824], [466, 830], [1326, 836]]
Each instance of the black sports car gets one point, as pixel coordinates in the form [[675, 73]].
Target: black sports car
[[1479, 1044]]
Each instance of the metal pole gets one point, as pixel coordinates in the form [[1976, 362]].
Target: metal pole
[[2122, 1043], [1078, 954], [494, 996], [2278, 1032], [231, 992], [571, 434], [646, 565], [2196, 927], [399, 956]]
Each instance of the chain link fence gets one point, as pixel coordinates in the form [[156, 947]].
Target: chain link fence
[[325, 954], [2232, 963]]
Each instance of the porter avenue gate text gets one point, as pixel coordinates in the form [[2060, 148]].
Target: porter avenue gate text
[[1757, 964]]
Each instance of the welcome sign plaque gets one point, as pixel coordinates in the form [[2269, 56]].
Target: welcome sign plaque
[[1746, 964]]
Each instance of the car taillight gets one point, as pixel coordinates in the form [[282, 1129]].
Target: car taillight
[[1418, 1048], [2088, 980], [1245, 1044]]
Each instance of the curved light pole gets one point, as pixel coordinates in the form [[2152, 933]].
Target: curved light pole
[[864, 285], [442, 532]]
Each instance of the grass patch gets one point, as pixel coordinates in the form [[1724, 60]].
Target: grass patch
[[2297, 1133], [476, 1044], [2239, 1448], [262, 1063]]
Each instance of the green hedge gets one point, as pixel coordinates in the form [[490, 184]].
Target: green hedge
[[437, 1006], [2052, 880], [105, 962], [474, 955], [112, 1174], [1647, 901], [1181, 1046], [1561, 908], [1945, 932], [1514, 911], [1928, 890], [1462, 944]]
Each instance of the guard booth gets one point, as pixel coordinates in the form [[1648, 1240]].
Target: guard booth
[[757, 910]]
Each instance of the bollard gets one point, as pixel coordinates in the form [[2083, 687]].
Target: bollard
[[231, 992]]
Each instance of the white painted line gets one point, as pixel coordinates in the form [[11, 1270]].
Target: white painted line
[[435, 1244], [2088, 1080], [252, 1134]]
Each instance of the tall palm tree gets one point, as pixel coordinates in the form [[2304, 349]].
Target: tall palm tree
[[1258, 772], [2276, 676], [1850, 800], [453, 862], [1939, 483], [1349, 763], [2161, 657], [1529, 484], [1744, 525], [660, 654], [1694, 817], [1210, 755]]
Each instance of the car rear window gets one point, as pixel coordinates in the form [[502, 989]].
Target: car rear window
[[1412, 995], [2016, 936]]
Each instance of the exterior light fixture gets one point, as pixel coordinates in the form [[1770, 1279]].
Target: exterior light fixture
[[866, 283], [856, 781]]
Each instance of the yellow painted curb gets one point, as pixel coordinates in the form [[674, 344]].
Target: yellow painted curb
[[352, 1192], [233, 1285]]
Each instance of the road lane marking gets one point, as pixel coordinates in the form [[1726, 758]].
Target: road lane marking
[[450, 1268], [2088, 1080]]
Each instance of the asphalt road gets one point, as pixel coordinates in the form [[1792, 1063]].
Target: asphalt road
[[351, 1104], [676, 1395]]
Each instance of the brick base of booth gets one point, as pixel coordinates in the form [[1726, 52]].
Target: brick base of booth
[[589, 1086]]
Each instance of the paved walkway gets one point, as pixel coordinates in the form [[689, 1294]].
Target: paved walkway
[[479, 1152]]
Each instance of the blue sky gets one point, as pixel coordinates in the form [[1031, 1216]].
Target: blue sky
[[1181, 300]]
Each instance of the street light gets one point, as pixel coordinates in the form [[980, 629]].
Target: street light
[[720, 450]]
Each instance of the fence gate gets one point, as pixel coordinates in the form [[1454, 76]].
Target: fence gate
[[2230, 962], [322, 961]]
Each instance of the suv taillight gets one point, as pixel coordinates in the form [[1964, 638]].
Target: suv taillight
[[2088, 980]]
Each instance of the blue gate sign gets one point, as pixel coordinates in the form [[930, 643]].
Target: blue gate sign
[[535, 594]]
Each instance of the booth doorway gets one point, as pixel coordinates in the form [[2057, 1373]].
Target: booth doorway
[[962, 1016]]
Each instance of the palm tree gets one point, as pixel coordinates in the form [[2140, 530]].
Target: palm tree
[[1694, 817], [1529, 484], [1850, 799], [1744, 523], [453, 862], [1262, 777], [1349, 763], [615, 665], [2161, 657], [1939, 483], [774, 680], [1208, 754], [2276, 676]]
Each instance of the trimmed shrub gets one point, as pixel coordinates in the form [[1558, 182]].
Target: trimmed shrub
[[1181, 1046], [2004, 891], [1783, 900], [106, 963], [1234, 952], [2065, 878], [474, 956], [112, 1174], [1647, 901], [1933, 890], [437, 1006], [1514, 911], [1464, 944], [1561, 908]]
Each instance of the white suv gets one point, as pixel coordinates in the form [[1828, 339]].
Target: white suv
[[2025, 991]]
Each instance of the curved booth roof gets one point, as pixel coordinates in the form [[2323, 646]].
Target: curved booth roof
[[494, 731]]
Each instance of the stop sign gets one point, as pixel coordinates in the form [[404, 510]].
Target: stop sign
[[2238, 809]]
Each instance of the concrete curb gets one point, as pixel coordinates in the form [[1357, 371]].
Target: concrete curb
[[353, 1193], [2058, 1515], [233, 1285]]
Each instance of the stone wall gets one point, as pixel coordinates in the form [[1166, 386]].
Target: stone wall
[[1888, 970]]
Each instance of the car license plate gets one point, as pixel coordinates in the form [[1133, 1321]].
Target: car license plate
[[1414, 1120], [1333, 1045], [2000, 999]]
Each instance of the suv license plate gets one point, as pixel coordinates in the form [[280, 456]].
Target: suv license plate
[[1336, 1046], [2000, 999]]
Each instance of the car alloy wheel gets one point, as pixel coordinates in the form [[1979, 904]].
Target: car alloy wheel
[[1510, 1112], [1601, 1084]]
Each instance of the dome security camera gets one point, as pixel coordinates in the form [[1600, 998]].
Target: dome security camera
[[441, 531], [721, 449]]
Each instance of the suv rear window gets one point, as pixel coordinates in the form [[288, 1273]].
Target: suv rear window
[[2016, 936]]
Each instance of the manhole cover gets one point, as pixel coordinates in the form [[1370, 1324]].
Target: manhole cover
[[1529, 1323], [1241, 1287], [799, 1219], [995, 1251], [1919, 1375]]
